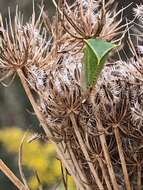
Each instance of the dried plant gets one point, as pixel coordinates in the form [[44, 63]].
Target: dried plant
[[97, 133], [11, 176]]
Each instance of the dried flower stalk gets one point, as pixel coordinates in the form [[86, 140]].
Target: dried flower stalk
[[11, 176]]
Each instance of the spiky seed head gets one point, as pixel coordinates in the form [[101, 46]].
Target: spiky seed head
[[21, 45], [90, 18], [139, 11]]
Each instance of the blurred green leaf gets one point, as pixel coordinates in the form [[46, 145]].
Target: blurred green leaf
[[95, 54]]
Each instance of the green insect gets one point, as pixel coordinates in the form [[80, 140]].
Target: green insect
[[95, 55]]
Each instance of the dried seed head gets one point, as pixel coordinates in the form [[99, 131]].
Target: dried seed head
[[139, 11], [90, 18], [61, 79], [138, 31], [118, 96], [59, 86], [22, 45]]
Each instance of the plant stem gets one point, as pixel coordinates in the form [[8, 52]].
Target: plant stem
[[59, 149], [77, 167], [33, 103], [107, 156], [11, 176], [20, 163], [104, 173], [139, 181], [83, 147], [121, 155]]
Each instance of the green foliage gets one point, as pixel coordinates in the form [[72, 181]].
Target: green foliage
[[37, 156], [95, 54]]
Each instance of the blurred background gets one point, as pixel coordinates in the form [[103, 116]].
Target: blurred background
[[16, 116]]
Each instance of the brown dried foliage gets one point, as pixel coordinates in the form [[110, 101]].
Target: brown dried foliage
[[98, 135]]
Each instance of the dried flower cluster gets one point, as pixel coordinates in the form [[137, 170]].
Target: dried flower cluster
[[99, 134]]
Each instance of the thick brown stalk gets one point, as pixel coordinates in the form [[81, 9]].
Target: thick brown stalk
[[121, 155], [66, 160], [33, 103], [104, 173], [139, 176], [59, 148], [85, 152], [11, 176], [107, 156], [78, 168]]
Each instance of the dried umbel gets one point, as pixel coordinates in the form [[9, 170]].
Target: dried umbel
[[21, 45], [98, 133], [91, 18]]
